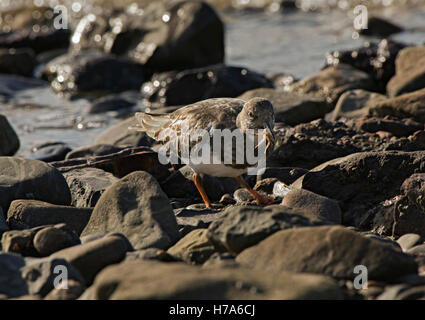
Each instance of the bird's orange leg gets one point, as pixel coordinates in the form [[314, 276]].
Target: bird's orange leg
[[258, 198], [198, 183]]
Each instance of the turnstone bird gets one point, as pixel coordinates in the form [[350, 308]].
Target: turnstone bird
[[255, 115]]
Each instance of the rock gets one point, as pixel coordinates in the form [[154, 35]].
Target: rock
[[92, 151], [151, 254], [111, 103], [418, 250], [266, 185], [87, 185], [3, 225], [355, 104], [319, 207], [136, 207], [242, 195], [291, 108], [283, 174], [50, 152], [155, 280], [376, 59], [360, 181], [25, 214], [11, 85], [329, 250], [380, 27], [190, 218], [244, 226], [119, 135], [91, 257], [42, 274], [280, 189], [193, 248], [33, 27], [17, 61], [180, 185], [73, 290], [221, 260], [410, 72], [395, 127], [189, 86], [333, 81], [409, 240], [52, 239], [169, 36], [93, 72], [31, 179], [409, 105], [11, 282], [20, 241], [9, 141]]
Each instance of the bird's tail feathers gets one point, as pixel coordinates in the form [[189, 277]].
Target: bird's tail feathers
[[151, 123]]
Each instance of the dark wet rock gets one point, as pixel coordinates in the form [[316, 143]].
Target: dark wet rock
[[111, 103], [48, 152], [244, 226], [319, 207], [410, 72], [93, 150], [41, 274], [73, 290], [33, 28], [380, 27], [396, 127], [11, 282], [189, 86], [93, 72], [333, 81], [17, 61], [10, 85], [362, 180], [409, 105], [20, 241], [291, 108], [355, 104], [120, 135], [87, 185], [193, 248], [9, 141], [329, 250], [284, 174], [91, 257], [25, 214], [180, 185], [3, 225], [151, 254], [409, 240], [136, 207], [376, 59], [162, 36], [156, 280], [31, 179], [54, 238]]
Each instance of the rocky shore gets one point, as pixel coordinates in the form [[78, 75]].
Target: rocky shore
[[347, 177]]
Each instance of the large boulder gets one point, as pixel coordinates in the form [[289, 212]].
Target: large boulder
[[9, 141], [136, 207], [31, 179], [291, 108], [410, 72], [165, 35], [329, 250], [362, 180], [244, 226], [93, 72], [11, 282], [17, 61], [189, 86], [155, 280]]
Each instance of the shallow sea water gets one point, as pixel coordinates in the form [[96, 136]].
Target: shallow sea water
[[293, 43]]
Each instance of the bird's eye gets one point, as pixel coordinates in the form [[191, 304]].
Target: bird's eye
[[251, 114]]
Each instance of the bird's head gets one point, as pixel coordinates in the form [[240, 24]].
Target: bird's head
[[258, 113]]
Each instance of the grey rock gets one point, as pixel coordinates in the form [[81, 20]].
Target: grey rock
[[151, 254], [409, 240], [72, 291], [93, 150], [55, 238], [31, 179], [330, 250], [3, 225], [20, 241], [24, 214], [244, 226], [9, 141], [11, 282], [418, 250], [87, 185], [136, 207]]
